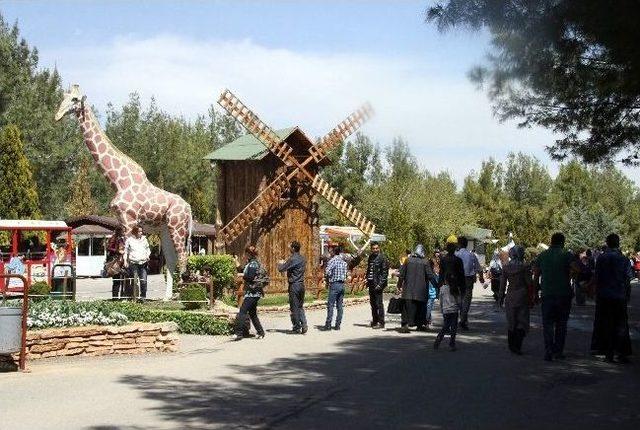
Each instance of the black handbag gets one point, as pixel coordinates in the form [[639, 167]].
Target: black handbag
[[395, 305]]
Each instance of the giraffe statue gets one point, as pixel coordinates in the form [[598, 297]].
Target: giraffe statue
[[137, 200]]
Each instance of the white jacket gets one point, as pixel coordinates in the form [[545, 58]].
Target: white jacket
[[448, 302], [136, 250]]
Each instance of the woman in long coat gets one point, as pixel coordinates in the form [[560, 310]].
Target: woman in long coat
[[415, 275], [516, 280]]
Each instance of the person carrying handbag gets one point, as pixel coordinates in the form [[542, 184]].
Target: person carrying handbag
[[114, 266]]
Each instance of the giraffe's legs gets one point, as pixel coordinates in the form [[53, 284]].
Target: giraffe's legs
[[178, 224]]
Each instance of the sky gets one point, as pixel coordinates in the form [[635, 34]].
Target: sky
[[299, 63]]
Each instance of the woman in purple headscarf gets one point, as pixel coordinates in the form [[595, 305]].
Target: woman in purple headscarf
[[515, 281]]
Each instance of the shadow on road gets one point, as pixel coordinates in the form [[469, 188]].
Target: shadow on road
[[386, 380]]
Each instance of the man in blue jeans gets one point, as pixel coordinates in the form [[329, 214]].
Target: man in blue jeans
[[336, 273], [555, 266]]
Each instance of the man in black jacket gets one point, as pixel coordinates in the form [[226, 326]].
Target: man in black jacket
[[295, 268], [377, 274]]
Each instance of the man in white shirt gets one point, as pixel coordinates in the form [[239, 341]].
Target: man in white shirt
[[471, 269], [136, 257]]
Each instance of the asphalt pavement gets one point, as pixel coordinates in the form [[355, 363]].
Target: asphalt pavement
[[357, 378]]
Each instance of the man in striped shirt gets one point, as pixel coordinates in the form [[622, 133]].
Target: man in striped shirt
[[336, 274]]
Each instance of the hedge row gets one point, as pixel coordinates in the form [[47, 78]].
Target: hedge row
[[59, 313], [188, 322]]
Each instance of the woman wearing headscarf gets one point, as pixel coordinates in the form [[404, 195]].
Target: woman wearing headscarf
[[415, 275], [515, 281]]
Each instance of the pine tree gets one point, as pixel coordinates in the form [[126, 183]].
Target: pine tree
[[82, 202], [18, 195]]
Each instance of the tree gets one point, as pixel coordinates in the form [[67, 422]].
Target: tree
[[572, 187], [587, 228], [81, 201], [402, 163], [18, 195], [570, 66], [29, 97], [512, 198], [355, 166]]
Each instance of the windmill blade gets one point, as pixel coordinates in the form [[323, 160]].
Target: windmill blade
[[343, 205], [256, 126], [341, 132], [259, 206]]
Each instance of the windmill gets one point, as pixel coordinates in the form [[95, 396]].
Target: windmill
[[297, 162], [305, 170]]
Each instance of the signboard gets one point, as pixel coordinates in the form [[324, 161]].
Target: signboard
[[38, 272]]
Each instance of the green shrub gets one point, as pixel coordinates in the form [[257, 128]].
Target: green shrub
[[188, 322], [39, 290], [193, 296], [221, 267]]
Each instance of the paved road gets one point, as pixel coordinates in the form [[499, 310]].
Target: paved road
[[100, 288], [357, 378]]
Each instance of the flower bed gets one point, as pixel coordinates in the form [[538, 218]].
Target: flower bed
[[59, 314]]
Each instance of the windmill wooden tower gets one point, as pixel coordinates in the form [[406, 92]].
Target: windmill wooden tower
[[267, 183]]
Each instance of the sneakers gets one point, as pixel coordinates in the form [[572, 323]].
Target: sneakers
[[235, 338], [404, 330], [304, 330], [336, 327], [377, 326], [260, 336], [326, 327]]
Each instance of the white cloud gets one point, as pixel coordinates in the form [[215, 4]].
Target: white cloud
[[446, 121]]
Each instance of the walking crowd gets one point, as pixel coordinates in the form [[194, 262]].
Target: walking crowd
[[553, 279]]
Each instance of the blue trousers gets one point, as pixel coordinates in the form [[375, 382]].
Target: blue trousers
[[429, 308], [335, 298], [140, 271]]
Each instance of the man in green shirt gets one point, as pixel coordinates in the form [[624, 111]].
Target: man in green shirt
[[552, 272]]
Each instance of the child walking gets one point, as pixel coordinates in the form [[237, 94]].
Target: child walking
[[451, 279], [449, 306]]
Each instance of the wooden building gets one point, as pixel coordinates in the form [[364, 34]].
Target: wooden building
[[244, 167]]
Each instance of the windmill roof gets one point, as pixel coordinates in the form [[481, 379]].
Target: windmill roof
[[246, 147]]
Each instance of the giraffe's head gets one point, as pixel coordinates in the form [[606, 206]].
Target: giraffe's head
[[72, 101]]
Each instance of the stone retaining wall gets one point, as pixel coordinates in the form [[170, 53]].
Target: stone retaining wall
[[136, 338]]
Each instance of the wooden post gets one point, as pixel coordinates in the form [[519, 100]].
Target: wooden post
[[212, 298]]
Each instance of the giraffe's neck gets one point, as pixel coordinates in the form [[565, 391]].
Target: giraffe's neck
[[114, 164]]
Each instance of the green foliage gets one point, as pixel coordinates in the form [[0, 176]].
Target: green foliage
[[222, 268], [570, 66], [587, 227], [29, 97], [193, 296], [188, 322], [81, 201], [39, 288], [18, 196]]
